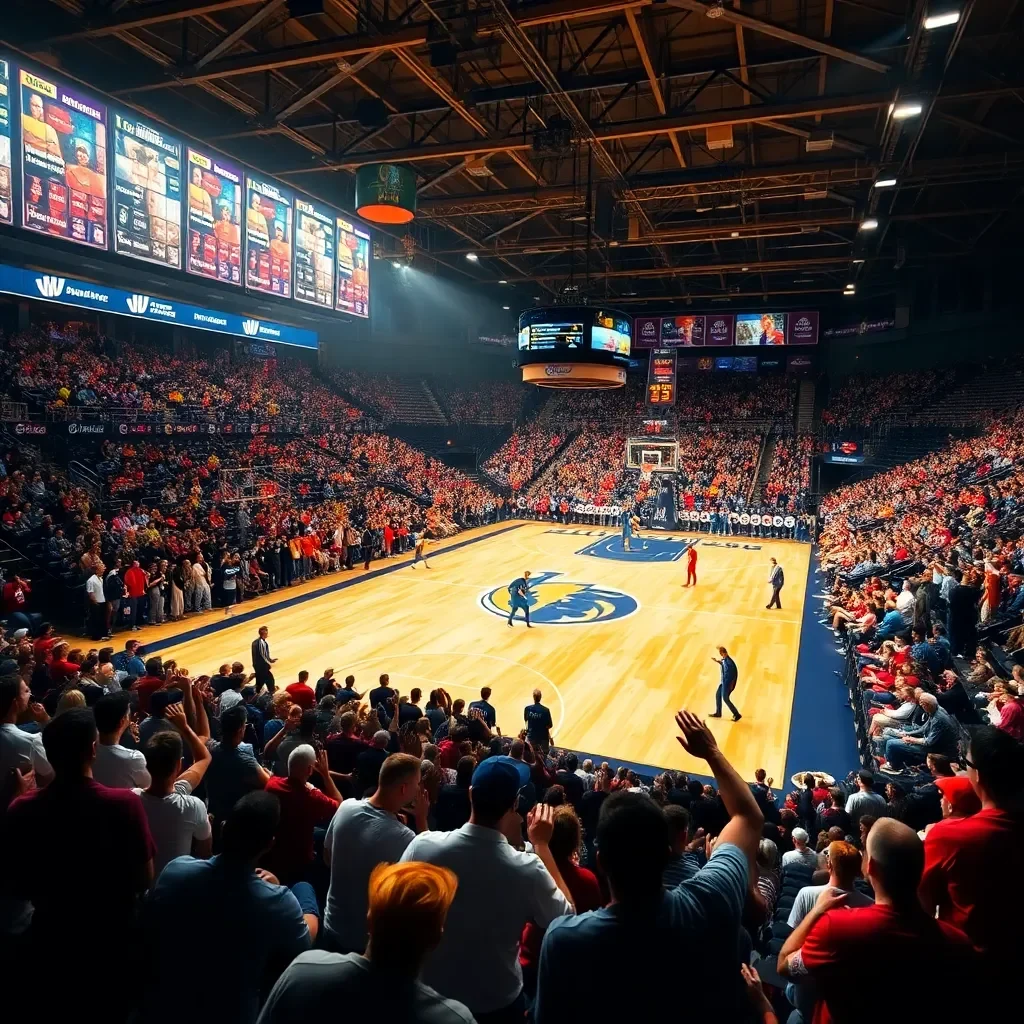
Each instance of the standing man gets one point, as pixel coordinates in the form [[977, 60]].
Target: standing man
[[261, 661], [727, 684], [538, 724], [627, 527], [691, 565], [518, 590], [776, 578]]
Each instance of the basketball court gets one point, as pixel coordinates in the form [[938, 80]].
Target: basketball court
[[618, 645]]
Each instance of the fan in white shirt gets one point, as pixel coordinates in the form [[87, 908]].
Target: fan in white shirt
[[19, 749], [177, 820], [117, 766]]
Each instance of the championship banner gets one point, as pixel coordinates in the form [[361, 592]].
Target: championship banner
[[664, 515]]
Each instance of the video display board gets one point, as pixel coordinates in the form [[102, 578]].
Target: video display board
[[214, 218], [725, 329], [147, 192], [353, 251], [552, 335], [661, 378], [269, 209], [6, 173], [314, 253], [63, 161], [760, 328], [610, 333]]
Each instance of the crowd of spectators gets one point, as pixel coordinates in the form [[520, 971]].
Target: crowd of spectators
[[523, 455], [789, 478], [341, 848], [863, 399], [73, 372], [486, 402]]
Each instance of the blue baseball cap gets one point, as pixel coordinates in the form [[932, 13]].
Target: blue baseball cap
[[500, 778]]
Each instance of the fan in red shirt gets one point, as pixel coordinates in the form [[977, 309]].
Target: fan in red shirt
[[973, 866], [303, 808], [301, 692], [835, 945], [148, 684], [583, 886], [61, 667], [14, 595]]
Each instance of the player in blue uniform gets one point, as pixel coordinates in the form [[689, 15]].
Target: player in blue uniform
[[627, 527], [517, 590]]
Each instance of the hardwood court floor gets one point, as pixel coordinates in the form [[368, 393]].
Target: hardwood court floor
[[633, 645]]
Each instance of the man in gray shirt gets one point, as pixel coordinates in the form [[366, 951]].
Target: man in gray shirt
[[384, 983], [865, 800], [362, 834]]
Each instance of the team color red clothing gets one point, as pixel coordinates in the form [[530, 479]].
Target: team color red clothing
[[934, 958], [135, 581], [586, 895], [972, 873], [301, 694], [303, 807]]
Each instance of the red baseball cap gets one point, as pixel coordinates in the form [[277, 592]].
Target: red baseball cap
[[960, 794]]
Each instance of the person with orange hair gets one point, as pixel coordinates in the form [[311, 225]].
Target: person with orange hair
[[408, 905]]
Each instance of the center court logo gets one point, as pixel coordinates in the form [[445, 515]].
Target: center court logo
[[50, 287], [555, 601], [137, 304], [250, 327]]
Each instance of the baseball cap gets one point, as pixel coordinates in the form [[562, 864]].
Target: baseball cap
[[500, 778], [960, 793]]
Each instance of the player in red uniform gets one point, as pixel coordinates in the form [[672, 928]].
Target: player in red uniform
[[691, 565]]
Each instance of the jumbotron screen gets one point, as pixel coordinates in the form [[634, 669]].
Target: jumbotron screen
[[78, 166], [575, 334], [314, 253], [268, 236], [147, 192], [63, 161], [6, 175], [214, 217]]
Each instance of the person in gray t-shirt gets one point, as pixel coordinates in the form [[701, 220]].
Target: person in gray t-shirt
[[362, 834]]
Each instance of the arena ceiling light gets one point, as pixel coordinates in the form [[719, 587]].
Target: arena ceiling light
[[849, 290], [503, 281], [858, 260], [941, 19], [506, 307], [885, 183], [472, 257], [868, 224], [905, 109]]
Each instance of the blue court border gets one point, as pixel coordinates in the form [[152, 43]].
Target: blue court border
[[290, 602]]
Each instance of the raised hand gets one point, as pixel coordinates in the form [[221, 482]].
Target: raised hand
[[696, 738], [540, 824]]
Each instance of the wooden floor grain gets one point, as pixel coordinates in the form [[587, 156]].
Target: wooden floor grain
[[612, 686]]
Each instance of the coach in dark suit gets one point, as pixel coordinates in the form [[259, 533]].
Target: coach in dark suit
[[730, 674], [261, 661], [776, 578]]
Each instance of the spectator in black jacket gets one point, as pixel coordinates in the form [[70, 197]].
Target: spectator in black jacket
[[113, 592]]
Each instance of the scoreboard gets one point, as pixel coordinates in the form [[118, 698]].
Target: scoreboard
[[661, 378]]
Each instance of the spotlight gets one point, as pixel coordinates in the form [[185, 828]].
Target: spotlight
[[734, 234], [849, 289], [472, 257], [869, 224], [941, 20], [503, 281], [885, 183], [505, 307], [858, 260], [904, 109], [744, 269]]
